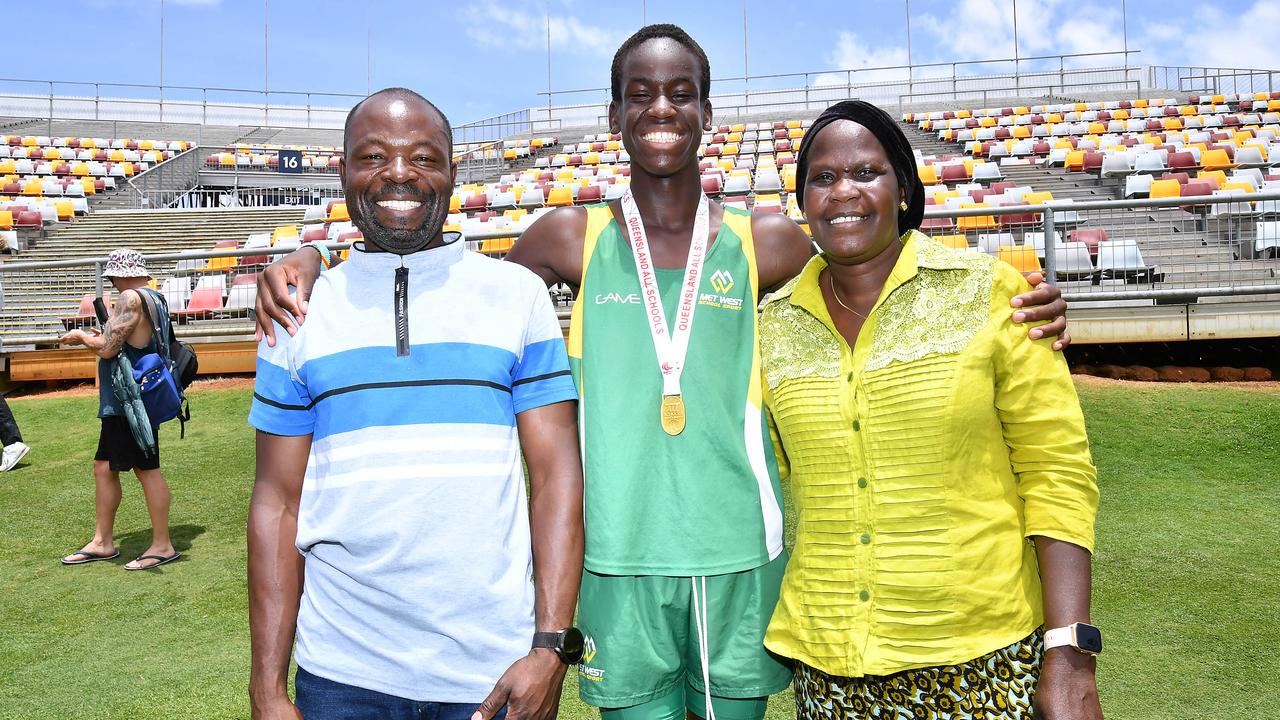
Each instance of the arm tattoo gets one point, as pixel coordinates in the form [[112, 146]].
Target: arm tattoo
[[122, 322]]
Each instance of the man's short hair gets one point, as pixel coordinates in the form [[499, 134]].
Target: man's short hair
[[403, 93], [655, 32]]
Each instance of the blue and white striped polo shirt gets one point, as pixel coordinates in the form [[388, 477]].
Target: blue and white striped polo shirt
[[413, 518]]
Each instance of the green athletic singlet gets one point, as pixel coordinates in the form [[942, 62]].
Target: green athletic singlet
[[703, 502]]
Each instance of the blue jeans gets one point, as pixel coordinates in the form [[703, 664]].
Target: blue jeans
[[323, 699]]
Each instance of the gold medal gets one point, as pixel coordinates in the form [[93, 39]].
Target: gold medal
[[673, 414]]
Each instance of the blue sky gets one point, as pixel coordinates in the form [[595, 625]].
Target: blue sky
[[477, 59]]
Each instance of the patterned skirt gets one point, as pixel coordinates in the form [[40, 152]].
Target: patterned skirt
[[997, 686]]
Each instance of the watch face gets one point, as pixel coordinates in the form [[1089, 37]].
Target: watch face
[[1088, 638], [571, 646]]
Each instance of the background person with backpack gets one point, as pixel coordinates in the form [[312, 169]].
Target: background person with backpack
[[129, 330]]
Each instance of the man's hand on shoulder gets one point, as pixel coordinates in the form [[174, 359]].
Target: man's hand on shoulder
[[300, 269], [530, 689], [1044, 302]]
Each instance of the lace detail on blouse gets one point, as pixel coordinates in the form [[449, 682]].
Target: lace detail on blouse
[[938, 312], [795, 344]]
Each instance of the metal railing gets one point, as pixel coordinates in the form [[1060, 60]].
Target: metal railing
[[498, 127], [157, 186], [135, 102], [1213, 80], [249, 196], [1155, 251], [813, 90], [1147, 249]]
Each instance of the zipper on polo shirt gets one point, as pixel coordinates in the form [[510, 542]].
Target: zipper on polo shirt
[[402, 310]]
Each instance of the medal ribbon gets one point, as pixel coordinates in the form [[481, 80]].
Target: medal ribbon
[[671, 344]]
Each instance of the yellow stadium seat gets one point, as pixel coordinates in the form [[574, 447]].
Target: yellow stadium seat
[[1022, 132], [1172, 123], [284, 231], [734, 136], [509, 154], [1120, 114], [497, 245], [1075, 160], [928, 175], [1021, 257], [1081, 107], [795, 133], [792, 124], [1215, 160], [52, 154], [79, 169], [89, 187], [563, 176], [1165, 188], [29, 141], [7, 167], [986, 122], [725, 165], [515, 214], [338, 213], [789, 179], [1037, 198], [1218, 99], [737, 128], [1022, 110], [612, 146], [6, 220], [1273, 105], [1141, 103], [560, 197], [975, 222], [87, 143], [455, 204], [1188, 110], [32, 189], [1238, 186], [959, 242], [729, 150], [591, 158], [518, 191], [220, 263], [65, 209], [1217, 177], [146, 145], [1053, 118], [116, 156], [964, 114], [1097, 128]]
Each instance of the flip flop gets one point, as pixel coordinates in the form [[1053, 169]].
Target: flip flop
[[89, 557], [163, 559]]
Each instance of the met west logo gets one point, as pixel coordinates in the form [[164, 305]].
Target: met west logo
[[722, 282]]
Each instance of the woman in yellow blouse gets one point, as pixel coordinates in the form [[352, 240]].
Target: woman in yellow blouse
[[938, 460]]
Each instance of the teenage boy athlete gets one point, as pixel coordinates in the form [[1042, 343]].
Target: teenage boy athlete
[[683, 512]]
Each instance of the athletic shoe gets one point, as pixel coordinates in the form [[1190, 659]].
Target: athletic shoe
[[13, 454]]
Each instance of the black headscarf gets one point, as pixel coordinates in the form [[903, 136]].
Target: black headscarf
[[895, 146]]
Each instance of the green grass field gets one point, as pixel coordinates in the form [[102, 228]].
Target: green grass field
[[1186, 589]]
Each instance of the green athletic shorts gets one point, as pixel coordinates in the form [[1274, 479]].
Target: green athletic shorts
[[642, 638]]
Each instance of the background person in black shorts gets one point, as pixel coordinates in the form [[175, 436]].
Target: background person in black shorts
[[127, 331]]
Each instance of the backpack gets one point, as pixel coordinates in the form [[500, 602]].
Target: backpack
[[168, 380]]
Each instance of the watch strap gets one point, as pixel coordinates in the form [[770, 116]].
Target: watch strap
[[1057, 637], [550, 639]]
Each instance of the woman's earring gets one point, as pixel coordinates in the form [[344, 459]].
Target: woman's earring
[[903, 205]]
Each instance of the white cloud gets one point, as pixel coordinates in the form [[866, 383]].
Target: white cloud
[[851, 54], [495, 24], [1212, 37]]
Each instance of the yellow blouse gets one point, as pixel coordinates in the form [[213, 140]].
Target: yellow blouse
[[921, 461]]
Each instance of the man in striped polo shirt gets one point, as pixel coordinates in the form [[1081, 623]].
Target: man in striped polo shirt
[[390, 432]]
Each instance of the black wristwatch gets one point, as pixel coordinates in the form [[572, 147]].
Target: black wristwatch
[[567, 644]]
